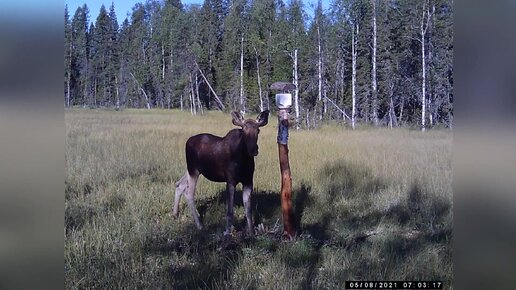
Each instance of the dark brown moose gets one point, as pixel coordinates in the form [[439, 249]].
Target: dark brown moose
[[227, 159]]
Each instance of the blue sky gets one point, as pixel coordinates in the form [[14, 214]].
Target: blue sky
[[124, 7]]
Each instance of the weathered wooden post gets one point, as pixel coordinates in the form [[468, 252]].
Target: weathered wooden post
[[283, 102]]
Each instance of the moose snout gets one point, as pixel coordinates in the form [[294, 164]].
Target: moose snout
[[254, 152]]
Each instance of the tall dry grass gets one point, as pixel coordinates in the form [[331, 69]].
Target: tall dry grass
[[372, 204]]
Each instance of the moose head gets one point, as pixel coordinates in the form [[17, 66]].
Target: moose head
[[251, 129]]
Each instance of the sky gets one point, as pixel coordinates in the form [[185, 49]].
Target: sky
[[123, 7]]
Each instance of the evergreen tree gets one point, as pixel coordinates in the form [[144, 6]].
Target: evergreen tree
[[360, 61], [67, 57], [79, 56]]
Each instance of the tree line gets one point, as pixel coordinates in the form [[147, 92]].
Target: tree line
[[375, 62]]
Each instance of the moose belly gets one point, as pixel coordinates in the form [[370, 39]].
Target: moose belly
[[213, 172], [229, 172]]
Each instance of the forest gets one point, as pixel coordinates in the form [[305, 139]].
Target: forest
[[359, 62]]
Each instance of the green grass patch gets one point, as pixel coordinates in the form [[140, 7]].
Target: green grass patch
[[371, 204]]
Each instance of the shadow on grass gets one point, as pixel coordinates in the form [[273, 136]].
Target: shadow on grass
[[211, 257], [338, 214], [416, 226]]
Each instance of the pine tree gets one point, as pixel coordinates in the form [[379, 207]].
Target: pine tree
[[67, 57], [79, 55], [169, 55]]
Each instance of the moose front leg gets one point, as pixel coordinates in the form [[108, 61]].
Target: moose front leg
[[230, 191], [246, 196]]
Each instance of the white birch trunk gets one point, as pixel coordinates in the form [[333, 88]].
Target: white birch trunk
[[373, 73], [319, 67], [400, 118], [163, 63], [142, 90], [192, 96], [242, 105], [199, 104], [259, 79], [423, 65], [296, 91], [191, 106], [353, 75], [117, 94], [423, 84], [391, 112], [269, 39], [219, 102], [432, 106], [169, 80]]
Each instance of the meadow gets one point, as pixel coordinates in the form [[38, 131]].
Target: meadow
[[371, 204]]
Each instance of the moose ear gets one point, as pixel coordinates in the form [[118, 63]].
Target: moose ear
[[237, 119], [263, 118]]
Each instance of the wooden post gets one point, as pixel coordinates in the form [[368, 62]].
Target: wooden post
[[286, 179]]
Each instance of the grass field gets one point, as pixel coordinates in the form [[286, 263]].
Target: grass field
[[373, 204]]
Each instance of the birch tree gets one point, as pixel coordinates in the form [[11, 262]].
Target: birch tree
[[424, 23], [354, 40], [374, 94]]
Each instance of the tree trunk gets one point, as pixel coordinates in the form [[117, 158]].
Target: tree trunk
[[307, 119], [95, 92], [374, 101], [353, 75], [219, 103], [191, 102], [69, 78], [319, 68], [400, 117], [242, 105], [163, 63], [392, 115], [432, 106], [199, 104], [68, 90], [117, 94], [259, 80], [423, 64], [268, 61], [142, 90], [296, 91], [192, 96], [170, 79]]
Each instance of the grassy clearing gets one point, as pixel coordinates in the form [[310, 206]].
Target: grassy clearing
[[372, 204]]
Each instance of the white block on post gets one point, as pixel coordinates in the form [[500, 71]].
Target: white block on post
[[283, 101]]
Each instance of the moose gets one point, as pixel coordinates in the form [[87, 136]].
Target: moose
[[227, 159]]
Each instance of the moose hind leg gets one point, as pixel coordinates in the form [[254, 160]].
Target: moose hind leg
[[181, 186], [190, 194], [246, 196]]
